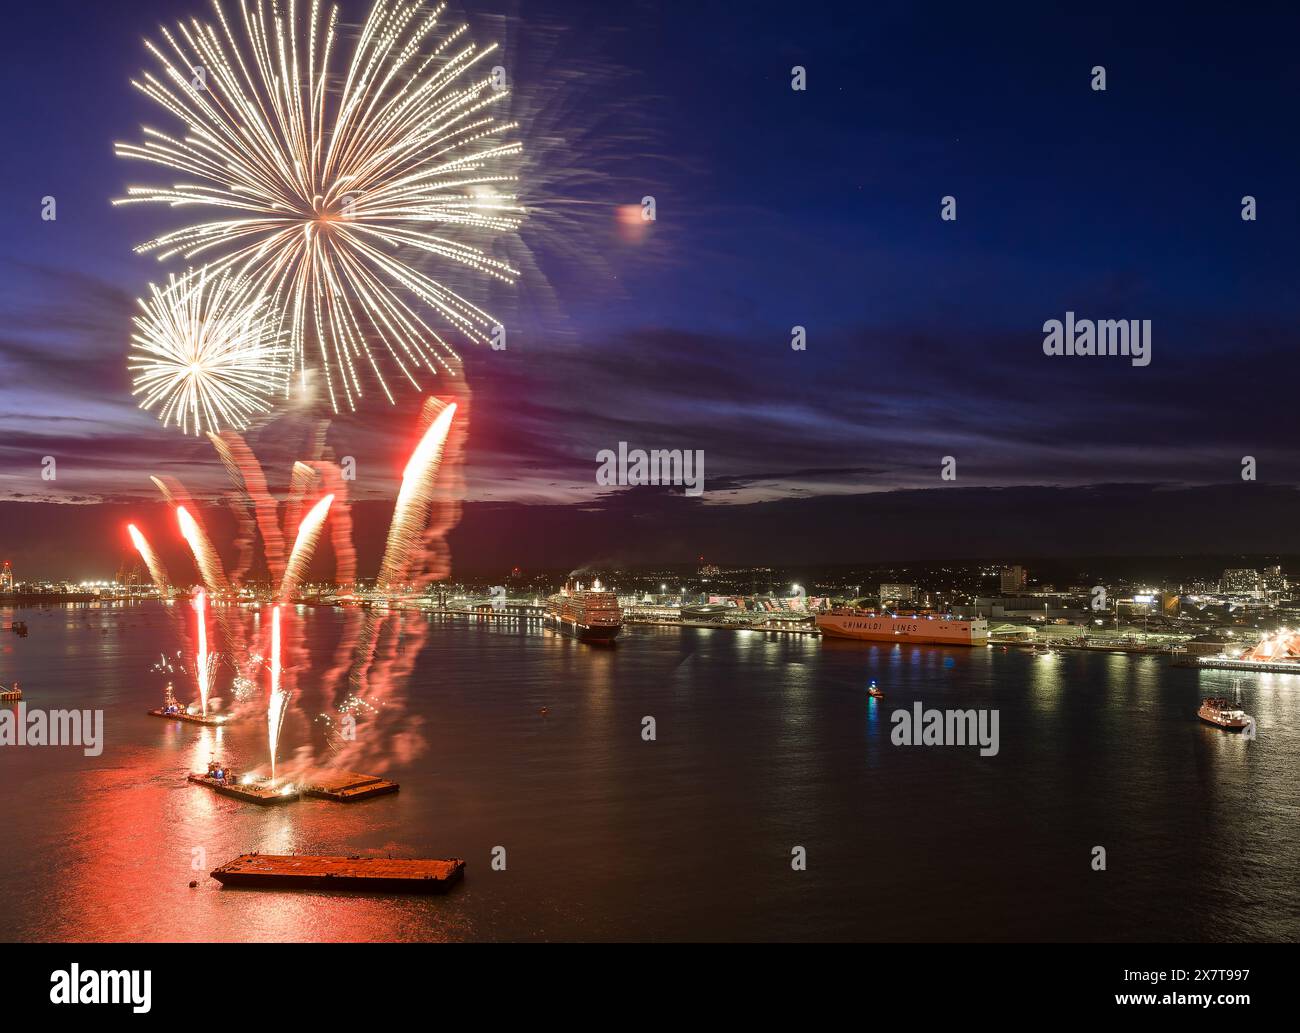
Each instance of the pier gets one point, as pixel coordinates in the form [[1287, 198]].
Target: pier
[[1213, 663], [366, 874], [781, 628]]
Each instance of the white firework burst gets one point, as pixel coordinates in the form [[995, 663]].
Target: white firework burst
[[325, 179], [204, 356]]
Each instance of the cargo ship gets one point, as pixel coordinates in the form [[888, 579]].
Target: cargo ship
[[927, 629], [587, 614]]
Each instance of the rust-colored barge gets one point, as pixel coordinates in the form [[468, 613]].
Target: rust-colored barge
[[175, 711], [367, 874], [193, 719], [347, 786], [223, 780]]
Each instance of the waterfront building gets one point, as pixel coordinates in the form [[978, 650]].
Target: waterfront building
[[1241, 581], [897, 593]]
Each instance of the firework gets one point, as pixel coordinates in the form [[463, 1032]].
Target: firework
[[303, 547], [156, 569], [279, 700], [414, 500], [205, 357], [321, 178], [301, 479], [202, 662], [205, 556]]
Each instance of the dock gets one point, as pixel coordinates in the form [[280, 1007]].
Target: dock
[[783, 628], [347, 787], [366, 874], [1212, 663], [252, 792]]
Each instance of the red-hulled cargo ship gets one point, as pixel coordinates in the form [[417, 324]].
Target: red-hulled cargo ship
[[928, 629]]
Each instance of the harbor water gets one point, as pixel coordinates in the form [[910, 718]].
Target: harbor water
[[665, 788]]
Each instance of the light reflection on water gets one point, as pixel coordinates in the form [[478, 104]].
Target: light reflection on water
[[764, 742]]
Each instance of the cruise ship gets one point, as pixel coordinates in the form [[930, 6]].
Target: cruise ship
[[924, 629], [587, 614]]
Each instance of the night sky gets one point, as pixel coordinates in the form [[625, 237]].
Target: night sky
[[775, 208]]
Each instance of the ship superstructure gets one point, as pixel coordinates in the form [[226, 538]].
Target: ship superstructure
[[587, 614]]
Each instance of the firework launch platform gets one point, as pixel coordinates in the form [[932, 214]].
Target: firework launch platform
[[251, 792], [367, 874], [194, 719], [347, 786]]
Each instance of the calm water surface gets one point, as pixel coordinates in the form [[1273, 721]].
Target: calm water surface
[[765, 742]]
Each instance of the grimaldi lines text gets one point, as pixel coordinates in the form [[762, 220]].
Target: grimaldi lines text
[[888, 627]]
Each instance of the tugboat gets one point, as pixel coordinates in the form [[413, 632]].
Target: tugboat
[[174, 710], [220, 773], [171, 707], [1225, 714], [223, 779]]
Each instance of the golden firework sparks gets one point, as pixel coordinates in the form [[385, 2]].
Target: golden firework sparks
[[327, 179], [204, 357]]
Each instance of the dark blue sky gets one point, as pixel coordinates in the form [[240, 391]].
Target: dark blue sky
[[775, 208]]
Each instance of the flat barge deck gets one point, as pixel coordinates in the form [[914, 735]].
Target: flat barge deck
[[367, 874], [253, 792], [194, 719], [347, 787]]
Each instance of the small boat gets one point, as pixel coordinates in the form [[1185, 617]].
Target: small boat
[[873, 691], [1223, 713]]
